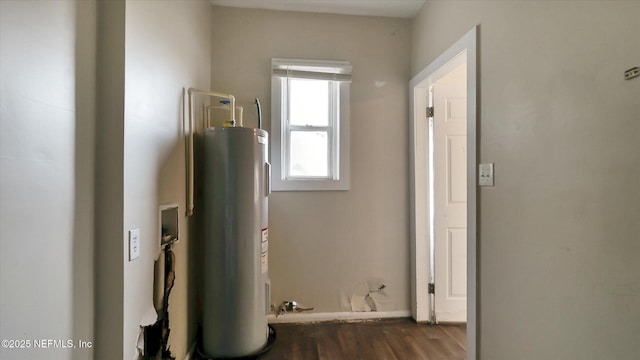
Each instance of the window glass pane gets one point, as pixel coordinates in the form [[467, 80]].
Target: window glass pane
[[308, 156], [308, 102]]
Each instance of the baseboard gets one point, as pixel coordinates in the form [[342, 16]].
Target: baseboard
[[306, 317]]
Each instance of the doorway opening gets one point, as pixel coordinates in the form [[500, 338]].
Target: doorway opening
[[447, 158], [443, 189]]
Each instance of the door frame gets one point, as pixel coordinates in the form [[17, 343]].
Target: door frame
[[418, 178]]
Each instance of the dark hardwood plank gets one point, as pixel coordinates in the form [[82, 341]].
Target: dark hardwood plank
[[434, 342], [408, 345], [351, 342], [393, 339], [328, 343], [457, 333], [375, 335]]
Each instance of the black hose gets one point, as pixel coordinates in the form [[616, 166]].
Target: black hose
[[259, 113]]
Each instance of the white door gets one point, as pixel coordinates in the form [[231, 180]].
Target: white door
[[450, 200]]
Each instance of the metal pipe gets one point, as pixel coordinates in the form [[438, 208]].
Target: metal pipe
[[190, 172]]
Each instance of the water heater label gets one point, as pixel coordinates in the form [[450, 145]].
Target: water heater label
[[264, 258], [265, 240]]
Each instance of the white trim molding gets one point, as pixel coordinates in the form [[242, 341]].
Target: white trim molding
[[309, 317], [419, 211], [338, 73]]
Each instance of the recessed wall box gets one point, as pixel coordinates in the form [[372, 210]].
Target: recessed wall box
[[168, 224]]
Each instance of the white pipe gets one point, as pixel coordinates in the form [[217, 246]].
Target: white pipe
[[207, 119], [190, 181], [240, 110], [208, 109], [232, 107], [232, 110]]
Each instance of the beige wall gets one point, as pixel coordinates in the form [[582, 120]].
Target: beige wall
[[46, 174], [559, 235], [59, 87], [46, 186], [108, 182], [167, 46], [322, 244]]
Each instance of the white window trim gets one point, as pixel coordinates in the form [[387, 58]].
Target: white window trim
[[278, 180]]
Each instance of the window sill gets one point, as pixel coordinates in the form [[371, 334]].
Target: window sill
[[309, 185]]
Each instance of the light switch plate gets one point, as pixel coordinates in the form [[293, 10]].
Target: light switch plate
[[485, 174], [134, 244]]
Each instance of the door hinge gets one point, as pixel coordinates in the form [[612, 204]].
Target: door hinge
[[430, 112], [432, 288]]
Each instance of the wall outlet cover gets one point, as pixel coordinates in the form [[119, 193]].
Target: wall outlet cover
[[485, 174], [134, 244]]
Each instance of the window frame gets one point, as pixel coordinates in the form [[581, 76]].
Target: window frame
[[337, 133]]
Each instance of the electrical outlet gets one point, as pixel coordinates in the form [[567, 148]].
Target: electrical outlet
[[134, 244], [485, 174]]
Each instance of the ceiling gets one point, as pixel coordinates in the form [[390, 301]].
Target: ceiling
[[389, 8]]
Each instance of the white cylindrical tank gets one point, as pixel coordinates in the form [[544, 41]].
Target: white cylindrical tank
[[235, 190]]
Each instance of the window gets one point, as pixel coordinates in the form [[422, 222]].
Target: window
[[310, 124]]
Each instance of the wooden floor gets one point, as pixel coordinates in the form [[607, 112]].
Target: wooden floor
[[382, 339]]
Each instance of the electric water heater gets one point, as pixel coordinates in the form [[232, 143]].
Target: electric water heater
[[236, 285]]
